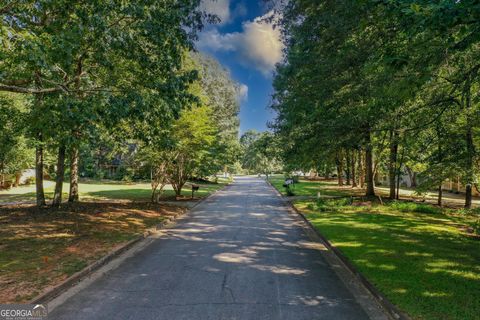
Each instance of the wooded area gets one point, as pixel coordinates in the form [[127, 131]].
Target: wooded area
[[111, 89], [373, 88]]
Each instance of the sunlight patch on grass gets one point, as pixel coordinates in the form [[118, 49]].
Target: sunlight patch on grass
[[40, 248], [423, 261], [106, 190]]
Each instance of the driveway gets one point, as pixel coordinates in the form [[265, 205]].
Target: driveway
[[238, 255]]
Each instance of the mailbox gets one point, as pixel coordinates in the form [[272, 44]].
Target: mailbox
[[288, 182], [194, 188]]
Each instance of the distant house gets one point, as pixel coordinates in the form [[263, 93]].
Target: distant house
[[23, 177], [26, 176], [111, 168], [450, 185], [454, 185]]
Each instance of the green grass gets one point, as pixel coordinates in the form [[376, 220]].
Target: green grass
[[414, 207], [306, 187], [105, 190], [422, 260]]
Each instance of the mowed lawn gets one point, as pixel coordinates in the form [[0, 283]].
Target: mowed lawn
[[106, 190], [424, 259], [310, 188], [329, 188]]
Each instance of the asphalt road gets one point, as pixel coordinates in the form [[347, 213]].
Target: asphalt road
[[238, 255]]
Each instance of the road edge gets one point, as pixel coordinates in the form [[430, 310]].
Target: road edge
[[392, 311], [132, 246]]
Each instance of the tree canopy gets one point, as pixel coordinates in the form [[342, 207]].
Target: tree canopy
[[389, 86]]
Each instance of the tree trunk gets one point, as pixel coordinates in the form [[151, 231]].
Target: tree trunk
[[361, 173], [2, 175], [339, 161], [40, 194], [440, 194], [348, 160], [154, 185], [468, 196], [18, 176], [369, 167], [354, 178], [399, 172], [469, 141], [392, 163], [413, 177], [397, 196], [73, 196], [178, 189], [154, 198], [57, 197], [469, 164]]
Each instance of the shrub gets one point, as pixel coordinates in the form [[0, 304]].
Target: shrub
[[476, 227], [100, 174], [332, 204], [289, 191], [475, 211], [30, 180], [467, 212], [415, 207], [124, 173]]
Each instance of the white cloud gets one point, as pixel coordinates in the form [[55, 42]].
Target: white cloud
[[258, 45], [220, 8], [243, 93], [213, 40]]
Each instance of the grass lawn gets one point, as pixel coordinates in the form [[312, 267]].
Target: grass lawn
[[106, 190], [424, 259], [39, 249], [329, 188], [310, 188]]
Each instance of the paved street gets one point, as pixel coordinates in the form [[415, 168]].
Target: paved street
[[238, 255]]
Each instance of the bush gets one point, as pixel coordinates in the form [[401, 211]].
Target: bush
[[467, 212], [476, 227], [100, 174], [332, 204], [415, 207], [30, 180], [289, 191], [124, 173]]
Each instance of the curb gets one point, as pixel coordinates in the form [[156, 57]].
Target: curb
[[76, 278], [389, 307]]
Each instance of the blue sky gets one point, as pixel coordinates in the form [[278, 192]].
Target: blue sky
[[249, 48]]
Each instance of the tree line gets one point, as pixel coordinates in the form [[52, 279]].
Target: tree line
[[381, 86], [79, 81]]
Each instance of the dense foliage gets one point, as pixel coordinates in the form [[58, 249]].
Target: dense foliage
[[381, 87], [101, 79], [260, 153]]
